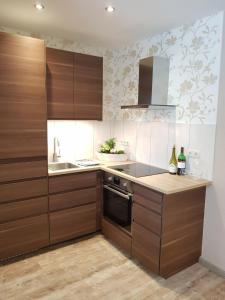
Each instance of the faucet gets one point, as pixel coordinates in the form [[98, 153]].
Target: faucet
[[56, 154]]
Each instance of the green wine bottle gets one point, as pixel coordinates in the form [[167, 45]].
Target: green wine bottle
[[181, 166], [173, 162]]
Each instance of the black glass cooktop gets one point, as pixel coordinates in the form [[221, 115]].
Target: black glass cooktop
[[139, 169]]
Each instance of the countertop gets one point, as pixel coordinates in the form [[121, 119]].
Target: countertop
[[164, 183]]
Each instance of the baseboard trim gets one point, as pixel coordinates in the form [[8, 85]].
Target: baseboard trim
[[211, 267]]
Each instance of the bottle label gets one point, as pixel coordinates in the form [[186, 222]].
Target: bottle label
[[172, 169], [181, 165]]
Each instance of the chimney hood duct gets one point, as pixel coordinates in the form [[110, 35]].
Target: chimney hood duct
[[153, 83]]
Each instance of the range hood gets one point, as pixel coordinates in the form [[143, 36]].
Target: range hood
[[153, 83]]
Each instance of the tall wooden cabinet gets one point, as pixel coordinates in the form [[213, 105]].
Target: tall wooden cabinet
[[74, 85], [23, 145]]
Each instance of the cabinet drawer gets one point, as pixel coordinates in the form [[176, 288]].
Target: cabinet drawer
[[71, 182], [72, 199], [148, 203], [23, 236], [148, 194], [73, 222], [23, 143], [23, 170], [117, 236], [23, 209], [145, 247], [147, 218], [24, 189]]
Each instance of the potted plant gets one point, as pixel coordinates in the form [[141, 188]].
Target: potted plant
[[109, 152]]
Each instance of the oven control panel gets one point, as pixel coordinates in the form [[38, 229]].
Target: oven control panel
[[118, 181]]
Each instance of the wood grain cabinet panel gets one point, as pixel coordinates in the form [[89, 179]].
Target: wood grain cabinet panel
[[117, 236], [19, 170], [71, 182], [60, 81], [23, 209], [23, 189], [88, 85], [23, 236], [19, 144], [73, 222], [72, 199], [145, 247], [147, 218]]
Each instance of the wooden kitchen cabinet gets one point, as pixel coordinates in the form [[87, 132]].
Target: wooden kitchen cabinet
[[59, 83], [24, 225], [73, 204], [88, 85], [23, 236], [74, 85], [167, 229], [73, 222]]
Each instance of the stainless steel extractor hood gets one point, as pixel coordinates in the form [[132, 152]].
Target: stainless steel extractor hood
[[153, 83]]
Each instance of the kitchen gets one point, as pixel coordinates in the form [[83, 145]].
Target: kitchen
[[61, 99]]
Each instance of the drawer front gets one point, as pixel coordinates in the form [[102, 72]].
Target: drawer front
[[145, 247], [23, 143], [72, 199], [72, 182], [23, 236], [23, 170], [22, 190], [147, 218], [148, 203], [74, 222], [23, 209], [148, 194], [117, 236]]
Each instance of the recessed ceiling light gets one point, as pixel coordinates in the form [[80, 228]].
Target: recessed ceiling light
[[39, 6], [110, 8]]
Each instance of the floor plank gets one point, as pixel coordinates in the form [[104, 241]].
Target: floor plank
[[94, 269]]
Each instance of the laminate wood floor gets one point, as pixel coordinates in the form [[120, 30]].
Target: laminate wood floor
[[94, 269]]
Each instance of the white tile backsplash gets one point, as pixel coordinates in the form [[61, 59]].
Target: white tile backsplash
[[148, 142]]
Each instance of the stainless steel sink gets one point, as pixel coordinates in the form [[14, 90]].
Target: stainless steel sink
[[61, 166]]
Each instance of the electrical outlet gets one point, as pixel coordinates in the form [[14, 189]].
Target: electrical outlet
[[124, 143], [193, 153]]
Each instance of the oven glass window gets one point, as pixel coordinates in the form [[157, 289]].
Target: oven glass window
[[117, 208]]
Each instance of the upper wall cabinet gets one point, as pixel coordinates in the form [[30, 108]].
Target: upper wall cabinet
[[60, 84], [74, 85], [88, 77]]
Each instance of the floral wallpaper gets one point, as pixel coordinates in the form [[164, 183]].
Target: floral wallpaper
[[194, 53]]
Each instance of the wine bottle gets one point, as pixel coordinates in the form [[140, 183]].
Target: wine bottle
[[173, 162], [181, 166]]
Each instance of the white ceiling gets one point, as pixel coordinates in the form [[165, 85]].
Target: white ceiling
[[87, 20]]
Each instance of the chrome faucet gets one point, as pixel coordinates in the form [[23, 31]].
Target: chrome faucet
[[56, 154]]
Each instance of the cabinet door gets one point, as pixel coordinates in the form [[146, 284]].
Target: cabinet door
[[23, 123], [60, 84], [73, 222], [88, 78], [23, 236]]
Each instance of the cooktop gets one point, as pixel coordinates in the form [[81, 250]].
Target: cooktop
[[138, 169]]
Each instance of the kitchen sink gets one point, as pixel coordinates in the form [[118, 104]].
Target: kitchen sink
[[61, 166]]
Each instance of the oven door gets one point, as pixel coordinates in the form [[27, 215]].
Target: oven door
[[117, 205]]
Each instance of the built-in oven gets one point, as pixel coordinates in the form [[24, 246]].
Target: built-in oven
[[117, 200]]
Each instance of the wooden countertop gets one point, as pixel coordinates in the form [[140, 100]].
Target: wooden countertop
[[164, 183]]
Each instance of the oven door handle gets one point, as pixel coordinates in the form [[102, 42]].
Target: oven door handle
[[126, 196]]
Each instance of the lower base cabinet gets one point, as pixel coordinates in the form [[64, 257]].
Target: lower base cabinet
[[73, 222], [23, 236]]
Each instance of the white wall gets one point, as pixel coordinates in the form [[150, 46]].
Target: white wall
[[214, 227]]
